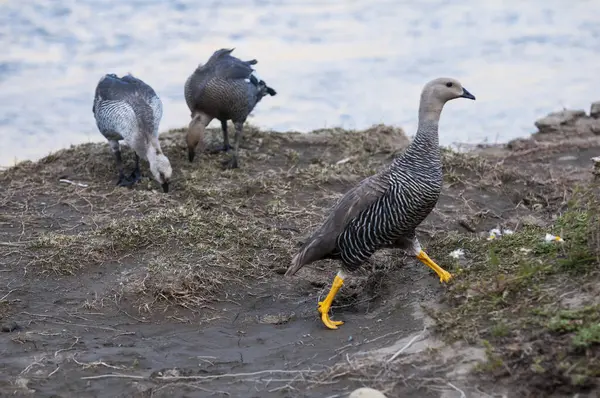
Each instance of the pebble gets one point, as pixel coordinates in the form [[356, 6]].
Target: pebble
[[554, 120], [366, 392]]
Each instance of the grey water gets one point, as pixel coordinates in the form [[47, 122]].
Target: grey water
[[335, 63]]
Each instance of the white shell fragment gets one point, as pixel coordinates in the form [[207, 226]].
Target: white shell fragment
[[457, 253], [345, 160]]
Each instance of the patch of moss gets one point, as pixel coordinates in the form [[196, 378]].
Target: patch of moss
[[587, 336]]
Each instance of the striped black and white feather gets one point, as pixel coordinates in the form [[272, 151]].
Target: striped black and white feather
[[384, 210], [126, 108], [413, 186]]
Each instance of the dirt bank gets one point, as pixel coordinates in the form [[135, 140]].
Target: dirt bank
[[108, 291]]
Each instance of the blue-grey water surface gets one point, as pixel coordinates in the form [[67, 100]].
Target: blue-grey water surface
[[334, 63]]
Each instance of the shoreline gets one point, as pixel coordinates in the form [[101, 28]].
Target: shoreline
[[554, 127]]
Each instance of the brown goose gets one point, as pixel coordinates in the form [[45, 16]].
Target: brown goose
[[225, 88], [384, 210]]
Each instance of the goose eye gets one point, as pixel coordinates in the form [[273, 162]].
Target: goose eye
[[449, 84]]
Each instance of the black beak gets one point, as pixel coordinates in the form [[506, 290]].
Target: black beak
[[165, 187], [467, 95], [191, 154]]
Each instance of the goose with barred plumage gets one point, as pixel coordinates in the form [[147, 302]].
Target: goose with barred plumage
[[384, 210], [126, 108], [225, 88]]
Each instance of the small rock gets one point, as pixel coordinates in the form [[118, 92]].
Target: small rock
[[278, 319], [530, 220], [366, 392], [554, 121], [466, 224], [10, 327], [595, 111], [521, 144]]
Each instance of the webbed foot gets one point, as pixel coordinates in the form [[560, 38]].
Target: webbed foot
[[444, 275], [324, 311]]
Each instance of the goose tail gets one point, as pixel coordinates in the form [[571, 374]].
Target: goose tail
[[310, 251], [297, 263]]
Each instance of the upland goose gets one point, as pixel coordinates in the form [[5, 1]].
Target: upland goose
[[383, 210], [126, 108], [225, 88]]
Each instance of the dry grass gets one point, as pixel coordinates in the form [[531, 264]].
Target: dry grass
[[215, 228]]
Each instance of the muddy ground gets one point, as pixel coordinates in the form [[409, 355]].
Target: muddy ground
[[109, 291]]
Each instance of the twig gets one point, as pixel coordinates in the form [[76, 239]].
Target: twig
[[400, 351], [382, 336], [79, 184], [113, 376], [12, 244], [338, 351], [7, 294], [87, 365], [45, 316], [462, 393], [67, 349], [39, 362], [465, 225], [284, 387], [132, 317], [54, 371], [234, 375]]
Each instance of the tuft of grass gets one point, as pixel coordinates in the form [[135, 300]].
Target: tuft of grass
[[65, 254]]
